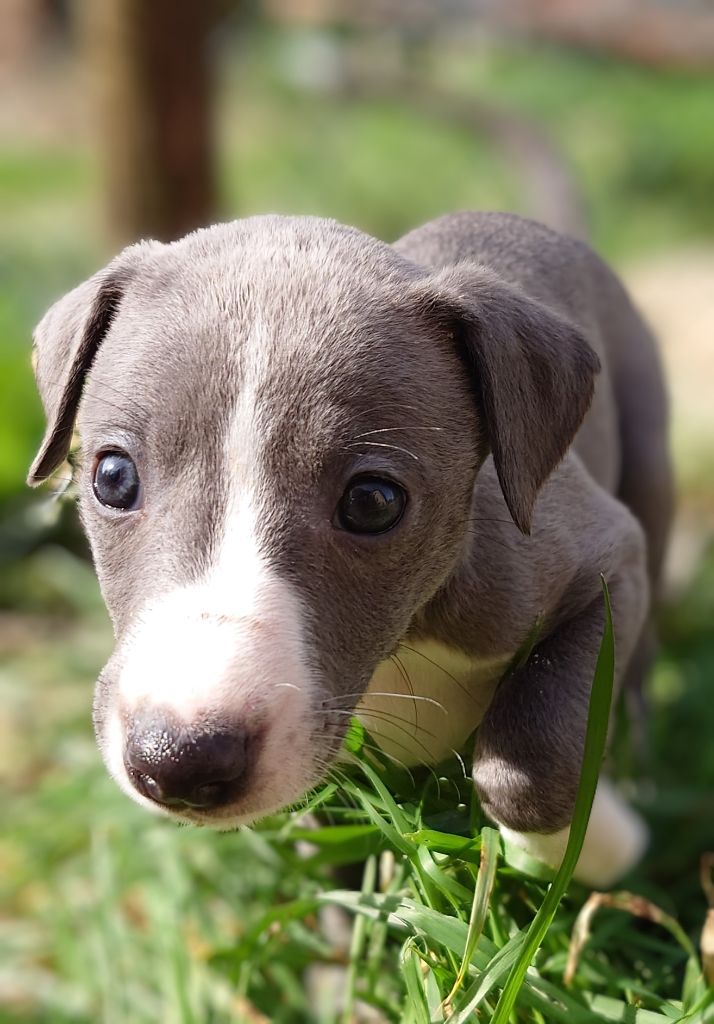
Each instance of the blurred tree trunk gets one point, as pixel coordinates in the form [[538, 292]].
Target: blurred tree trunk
[[152, 67]]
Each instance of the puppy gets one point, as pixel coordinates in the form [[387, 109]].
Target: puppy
[[319, 473]]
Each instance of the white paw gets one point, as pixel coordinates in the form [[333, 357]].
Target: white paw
[[614, 843]]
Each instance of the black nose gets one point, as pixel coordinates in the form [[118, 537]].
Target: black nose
[[180, 766]]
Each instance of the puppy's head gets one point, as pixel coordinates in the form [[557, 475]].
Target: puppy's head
[[280, 423]]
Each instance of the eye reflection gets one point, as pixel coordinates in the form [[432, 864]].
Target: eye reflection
[[371, 504], [116, 481]]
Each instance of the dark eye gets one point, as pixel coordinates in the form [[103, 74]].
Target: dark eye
[[116, 481], [371, 505]]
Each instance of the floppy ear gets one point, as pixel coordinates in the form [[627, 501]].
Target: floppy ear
[[533, 374], [65, 343]]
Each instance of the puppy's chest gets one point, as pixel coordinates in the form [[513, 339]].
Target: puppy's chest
[[425, 701]]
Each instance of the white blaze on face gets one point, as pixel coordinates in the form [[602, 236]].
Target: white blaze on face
[[194, 655], [220, 645], [228, 649]]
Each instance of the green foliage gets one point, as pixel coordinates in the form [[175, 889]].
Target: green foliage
[[33, 273], [635, 137]]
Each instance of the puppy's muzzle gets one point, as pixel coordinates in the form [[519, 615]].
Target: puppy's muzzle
[[181, 766]]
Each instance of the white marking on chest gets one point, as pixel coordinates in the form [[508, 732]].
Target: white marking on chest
[[424, 702]]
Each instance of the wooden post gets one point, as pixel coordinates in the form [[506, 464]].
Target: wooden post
[[151, 66]]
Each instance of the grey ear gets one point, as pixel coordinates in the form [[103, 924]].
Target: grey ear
[[533, 373], [65, 343]]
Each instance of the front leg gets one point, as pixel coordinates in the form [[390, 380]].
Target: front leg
[[530, 744]]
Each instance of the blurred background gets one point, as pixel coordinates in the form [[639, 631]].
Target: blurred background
[[122, 119]]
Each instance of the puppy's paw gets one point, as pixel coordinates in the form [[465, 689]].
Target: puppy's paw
[[614, 843]]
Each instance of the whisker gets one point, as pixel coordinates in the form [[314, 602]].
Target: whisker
[[464, 689], [388, 717], [384, 693], [422, 764], [392, 720], [339, 777], [104, 386], [63, 487], [392, 405], [115, 390], [407, 679], [460, 759], [429, 757], [390, 430], [502, 543], [382, 444], [383, 753], [486, 519], [402, 746]]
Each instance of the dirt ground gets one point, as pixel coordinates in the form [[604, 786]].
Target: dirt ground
[[676, 294]]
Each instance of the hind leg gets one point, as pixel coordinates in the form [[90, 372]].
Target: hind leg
[[633, 691], [646, 483], [646, 487]]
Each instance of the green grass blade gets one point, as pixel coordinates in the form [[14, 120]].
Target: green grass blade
[[402, 914], [609, 1008], [434, 998], [697, 1013], [359, 935], [405, 914], [394, 837], [457, 894], [490, 849], [464, 847], [497, 970], [594, 749], [247, 946], [417, 1005], [400, 820]]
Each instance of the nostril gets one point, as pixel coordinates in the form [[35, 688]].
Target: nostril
[[206, 795], [146, 785], [210, 794], [173, 765], [150, 787]]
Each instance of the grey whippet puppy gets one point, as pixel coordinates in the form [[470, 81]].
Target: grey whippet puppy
[[320, 472]]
